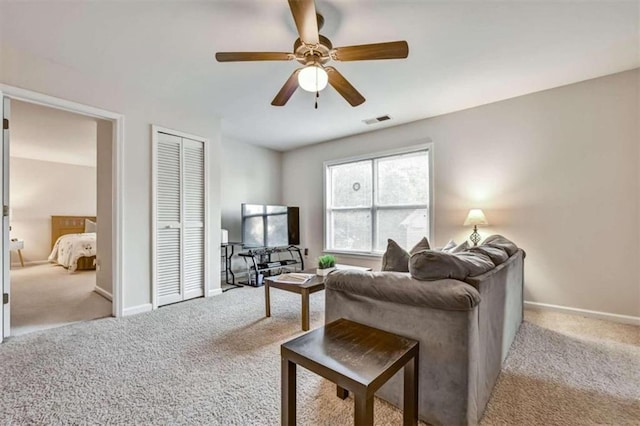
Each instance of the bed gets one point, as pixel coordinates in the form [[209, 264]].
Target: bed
[[72, 247]]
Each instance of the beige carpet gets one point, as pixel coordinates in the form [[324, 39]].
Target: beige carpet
[[45, 296], [217, 362]]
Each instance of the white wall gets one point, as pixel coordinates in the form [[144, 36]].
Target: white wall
[[250, 174], [40, 189], [555, 171], [141, 110]]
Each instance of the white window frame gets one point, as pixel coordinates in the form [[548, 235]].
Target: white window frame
[[426, 146]]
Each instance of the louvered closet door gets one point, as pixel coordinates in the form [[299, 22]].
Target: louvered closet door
[[169, 233], [193, 177]]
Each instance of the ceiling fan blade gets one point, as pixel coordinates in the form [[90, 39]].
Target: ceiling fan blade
[[342, 86], [364, 52], [287, 90], [304, 14], [253, 56]]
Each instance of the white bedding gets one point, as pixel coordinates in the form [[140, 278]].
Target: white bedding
[[69, 248]]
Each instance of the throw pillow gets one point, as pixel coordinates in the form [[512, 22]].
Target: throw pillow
[[423, 244], [395, 258], [460, 247], [430, 265], [497, 255], [501, 242], [90, 226], [449, 246]]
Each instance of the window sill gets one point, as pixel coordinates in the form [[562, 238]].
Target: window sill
[[358, 255]]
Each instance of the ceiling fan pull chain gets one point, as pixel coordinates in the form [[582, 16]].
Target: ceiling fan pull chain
[[317, 96]]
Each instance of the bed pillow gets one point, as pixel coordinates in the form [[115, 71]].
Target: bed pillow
[[396, 258], [90, 226]]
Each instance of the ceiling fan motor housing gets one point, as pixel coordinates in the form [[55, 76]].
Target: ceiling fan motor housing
[[320, 53]]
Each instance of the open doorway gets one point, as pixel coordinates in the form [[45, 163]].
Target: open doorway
[[60, 173]]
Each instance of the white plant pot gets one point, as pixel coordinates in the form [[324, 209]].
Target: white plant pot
[[324, 272]]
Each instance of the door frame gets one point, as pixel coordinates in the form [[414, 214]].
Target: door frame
[[154, 208], [117, 241]]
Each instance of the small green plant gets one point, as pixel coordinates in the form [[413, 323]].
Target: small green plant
[[326, 261]]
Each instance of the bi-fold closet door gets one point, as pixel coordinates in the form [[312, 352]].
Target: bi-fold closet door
[[180, 249]]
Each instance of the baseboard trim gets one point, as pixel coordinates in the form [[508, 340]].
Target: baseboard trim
[[104, 293], [140, 309], [623, 319], [215, 292]]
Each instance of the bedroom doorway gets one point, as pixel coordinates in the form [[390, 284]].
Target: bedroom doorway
[[97, 268], [54, 193]]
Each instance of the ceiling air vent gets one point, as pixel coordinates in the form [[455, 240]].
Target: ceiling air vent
[[377, 119]]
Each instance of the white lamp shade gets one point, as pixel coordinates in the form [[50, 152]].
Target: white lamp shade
[[313, 78], [475, 217]]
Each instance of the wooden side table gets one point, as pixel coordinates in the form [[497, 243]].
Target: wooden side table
[[356, 358]]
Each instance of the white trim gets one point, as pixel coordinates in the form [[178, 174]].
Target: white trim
[[118, 120], [214, 292], [104, 293], [623, 319], [426, 144], [154, 208], [135, 310]]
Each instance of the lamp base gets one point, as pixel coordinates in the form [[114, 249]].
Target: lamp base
[[475, 237]]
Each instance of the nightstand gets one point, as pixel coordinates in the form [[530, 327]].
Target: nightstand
[[18, 245]]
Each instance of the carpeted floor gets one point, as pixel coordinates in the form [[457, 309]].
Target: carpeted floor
[[46, 296], [216, 361]]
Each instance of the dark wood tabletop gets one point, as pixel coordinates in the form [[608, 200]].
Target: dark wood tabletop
[[357, 352]]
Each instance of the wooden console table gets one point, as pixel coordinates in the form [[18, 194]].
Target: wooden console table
[[356, 358]]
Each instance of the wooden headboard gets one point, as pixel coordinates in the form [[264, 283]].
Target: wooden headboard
[[63, 225]]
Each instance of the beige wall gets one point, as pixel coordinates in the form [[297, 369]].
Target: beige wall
[[104, 141], [141, 110], [40, 189], [555, 171]]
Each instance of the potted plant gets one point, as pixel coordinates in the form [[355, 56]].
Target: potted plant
[[326, 264]]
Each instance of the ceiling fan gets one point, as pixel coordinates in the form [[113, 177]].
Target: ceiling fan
[[314, 51]]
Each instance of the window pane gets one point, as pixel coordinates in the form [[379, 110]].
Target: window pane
[[351, 184], [351, 230], [405, 226], [403, 179]]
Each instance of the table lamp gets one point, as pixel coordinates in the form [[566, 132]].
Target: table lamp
[[475, 217]]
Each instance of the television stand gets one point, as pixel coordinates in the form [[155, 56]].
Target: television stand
[[260, 262]]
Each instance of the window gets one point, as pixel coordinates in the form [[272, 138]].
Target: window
[[369, 200]]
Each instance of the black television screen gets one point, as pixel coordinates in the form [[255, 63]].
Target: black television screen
[[264, 226]]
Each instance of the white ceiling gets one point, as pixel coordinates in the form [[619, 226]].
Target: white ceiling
[[461, 54], [47, 134]]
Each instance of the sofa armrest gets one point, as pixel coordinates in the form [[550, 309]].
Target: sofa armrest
[[399, 287]]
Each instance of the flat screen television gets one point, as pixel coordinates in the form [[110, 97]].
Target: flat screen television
[[268, 225]]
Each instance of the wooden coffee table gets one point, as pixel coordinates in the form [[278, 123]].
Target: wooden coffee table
[[356, 358], [316, 284]]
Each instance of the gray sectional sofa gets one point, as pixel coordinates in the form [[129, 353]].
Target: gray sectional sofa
[[465, 328]]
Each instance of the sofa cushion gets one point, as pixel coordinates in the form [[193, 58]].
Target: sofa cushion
[[497, 255], [396, 258], [429, 265], [498, 241], [401, 288]]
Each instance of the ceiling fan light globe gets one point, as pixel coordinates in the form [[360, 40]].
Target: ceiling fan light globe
[[313, 78]]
